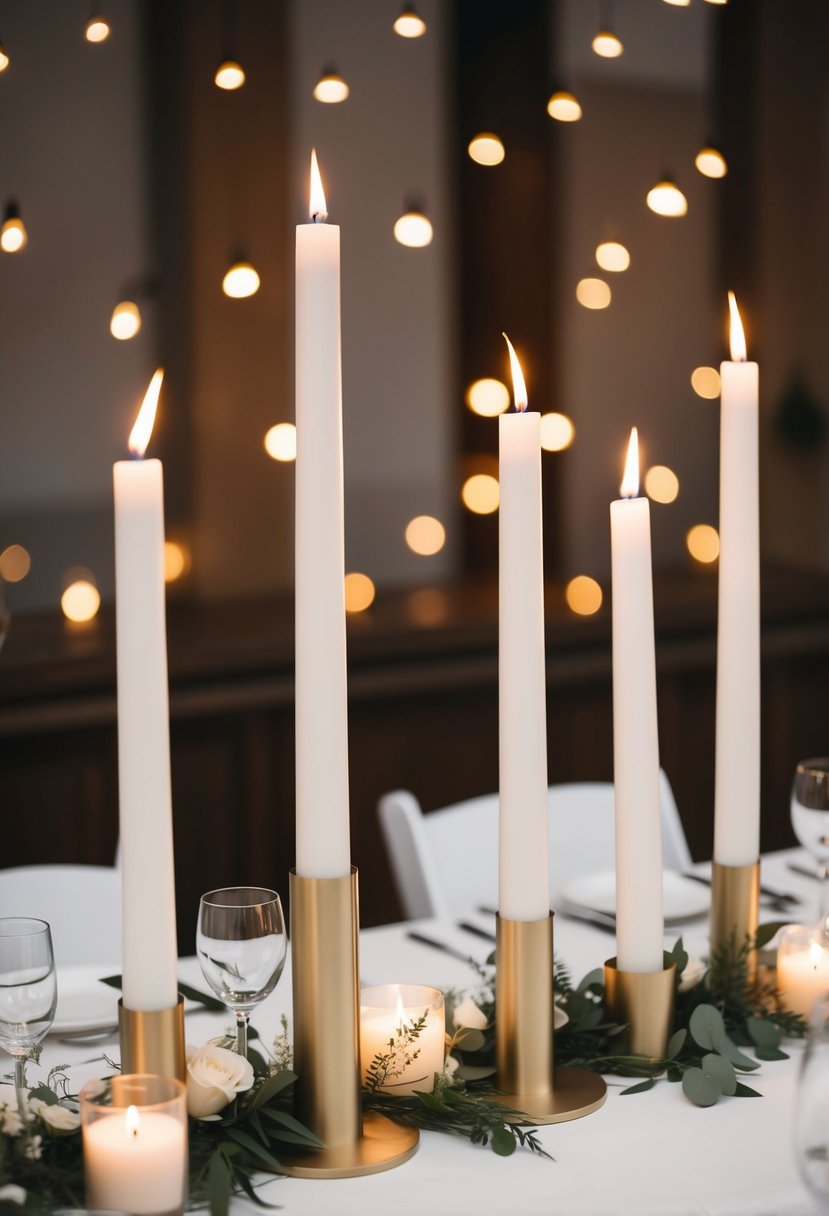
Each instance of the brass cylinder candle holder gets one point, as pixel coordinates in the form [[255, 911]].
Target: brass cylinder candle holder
[[153, 1042], [326, 997], [644, 1002], [735, 909], [524, 1053]]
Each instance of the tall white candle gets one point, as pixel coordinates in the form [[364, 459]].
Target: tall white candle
[[523, 862], [146, 819], [322, 819], [737, 784], [639, 923]]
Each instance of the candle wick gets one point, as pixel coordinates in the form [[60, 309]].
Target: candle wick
[[319, 217]]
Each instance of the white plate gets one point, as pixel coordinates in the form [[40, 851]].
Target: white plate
[[84, 1003], [682, 898]]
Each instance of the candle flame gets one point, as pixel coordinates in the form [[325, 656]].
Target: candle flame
[[401, 1015], [519, 388], [319, 211], [816, 952], [143, 426], [738, 336], [630, 481], [133, 1121]]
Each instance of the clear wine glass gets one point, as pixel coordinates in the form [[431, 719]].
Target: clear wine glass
[[811, 1121], [28, 992], [241, 944], [810, 820]]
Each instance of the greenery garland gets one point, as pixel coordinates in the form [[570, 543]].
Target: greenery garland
[[725, 1011]]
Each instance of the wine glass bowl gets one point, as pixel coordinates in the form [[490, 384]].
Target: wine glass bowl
[[241, 944], [28, 992], [810, 821], [811, 1120]]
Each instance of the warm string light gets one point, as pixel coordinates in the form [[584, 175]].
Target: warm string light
[[666, 198], [4, 57], [710, 162], [280, 442], [583, 595], [15, 563], [125, 321], [563, 106], [661, 484], [488, 397], [425, 535], [413, 228], [486, 149], [13, 234], [97, 29], [359, 592], [705, 381], [240, 281], [612, 256], [593, 293], [331, 88], [703, 543], [556, 432], [230, 75], [81, 599], [409, 24]]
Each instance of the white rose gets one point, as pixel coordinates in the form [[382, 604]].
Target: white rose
[[695, 969], [12, 1194], [58, 1119], [467, 1015], [10, 1121], [560, 1018], [214, 1077]]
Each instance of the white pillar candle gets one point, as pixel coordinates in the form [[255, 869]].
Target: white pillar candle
[[639, 923], [387, 1011], [135, 1161], [802, 968], [322, 819], [146, 820], [737, 784], [523, 862]]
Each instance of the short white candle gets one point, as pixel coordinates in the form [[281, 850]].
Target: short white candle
[[737, 783], [135, 1161], [145, 802], [383, 1013], [523, 862], [323, 847], [639, 923], [802, 968]]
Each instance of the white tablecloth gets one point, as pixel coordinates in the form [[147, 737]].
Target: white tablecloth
[[651, 1154]]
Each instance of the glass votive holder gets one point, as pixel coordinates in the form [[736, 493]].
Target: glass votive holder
[[386, 1013], [802, 967], [135, 1144]]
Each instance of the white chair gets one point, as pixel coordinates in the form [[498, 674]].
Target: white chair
[[446, 863], [81, 903]]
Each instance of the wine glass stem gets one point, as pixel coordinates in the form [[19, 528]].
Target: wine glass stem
[[242, 1019], [824, 898], [20, 1090]]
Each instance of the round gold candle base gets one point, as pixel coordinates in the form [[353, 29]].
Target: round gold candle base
[[576, 1092], [153, 1042], [383, 1145]]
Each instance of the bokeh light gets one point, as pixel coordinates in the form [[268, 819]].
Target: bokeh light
[[81, 600], [666, 198], [331, 88], [125, 321], [425, 535], [593, 293], [563, 106], [413, 229], [607, 45], [410, 24], [705, 381], [359, 592], [177, 560], [612, 256], [280, 441], [661, 483], [488, 397], [230, 75], [15, 563], [240, 281], [711, 163], [486, 149], [557, 432], [481, 493], [97, 29], [703, 543], [584, 595]]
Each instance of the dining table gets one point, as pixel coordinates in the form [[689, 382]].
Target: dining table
[[646, 1154]]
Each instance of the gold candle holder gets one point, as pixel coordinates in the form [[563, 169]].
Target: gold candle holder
[[153, 1042], [326, 990], [735, 909], [644, 1002], [526, 1076]]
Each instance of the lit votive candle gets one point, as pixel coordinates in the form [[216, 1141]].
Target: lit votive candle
[[802, 968], [135, 1144], [386, 1013]]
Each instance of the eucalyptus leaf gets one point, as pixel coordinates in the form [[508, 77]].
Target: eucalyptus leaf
[[766, 932], [638, 1089], [503, 1142], [728, 1048], [770, 1053], [675, 1043], [475, 1072], [720, 1072], [218, 1185], [763, 1033], [44, 1094], [680, 956], [468, 1038], [706, 1026], [745, 1091], [594, 979], [702, 1090]]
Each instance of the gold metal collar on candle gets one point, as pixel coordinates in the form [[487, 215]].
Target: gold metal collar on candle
[[735, 909], [643, 1001], [153, 1042]]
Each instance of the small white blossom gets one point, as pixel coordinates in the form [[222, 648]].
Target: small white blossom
[[58, 1119], [694, 971], [467, 1015], [12, 1194], [34, 1149]]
